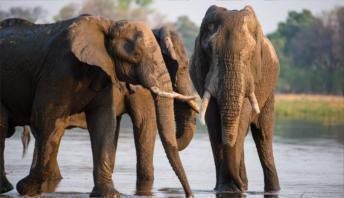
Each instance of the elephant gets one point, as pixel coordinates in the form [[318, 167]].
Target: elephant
[[52, 71], [234, 68], [138, 102]]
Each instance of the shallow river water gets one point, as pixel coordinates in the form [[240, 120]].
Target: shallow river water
[[309, 158]]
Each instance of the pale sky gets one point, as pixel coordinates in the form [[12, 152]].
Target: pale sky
[[269, 12]]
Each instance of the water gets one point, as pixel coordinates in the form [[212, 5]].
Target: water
[[309, 158]]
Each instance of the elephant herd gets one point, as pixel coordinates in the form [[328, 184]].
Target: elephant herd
[[88, 71]]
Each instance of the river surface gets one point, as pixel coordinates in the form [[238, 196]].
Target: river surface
[[309, 158]]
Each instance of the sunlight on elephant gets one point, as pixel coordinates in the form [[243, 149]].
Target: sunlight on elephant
[[52, 71], [138, 102]]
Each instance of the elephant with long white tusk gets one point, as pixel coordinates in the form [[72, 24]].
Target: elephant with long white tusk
[[49, 72], [138, 102]]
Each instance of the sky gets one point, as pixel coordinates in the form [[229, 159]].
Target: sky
[[269, 12]]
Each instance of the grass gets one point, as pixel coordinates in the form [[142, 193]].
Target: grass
[[326, 109]]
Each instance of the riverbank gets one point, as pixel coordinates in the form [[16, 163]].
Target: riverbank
[[326, 109]]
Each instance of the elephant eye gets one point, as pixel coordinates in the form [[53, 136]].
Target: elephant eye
[[129, 45], [211, 27]]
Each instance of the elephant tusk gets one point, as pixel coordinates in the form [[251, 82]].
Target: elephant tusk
[[204, 105], [254, 103], [173, 94], [193, 105], [135, 88]]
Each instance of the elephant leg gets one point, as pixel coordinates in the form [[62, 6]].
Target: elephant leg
[[213, 120], [101, 123], [53, 166], [234, 155], [5, 185], [144, 142], [118, 127], [46, 121], [142, 113], [54, 174], [243, 174], [262, 136]]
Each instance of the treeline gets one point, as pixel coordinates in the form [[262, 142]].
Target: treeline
[[311, 52], [310, 47]]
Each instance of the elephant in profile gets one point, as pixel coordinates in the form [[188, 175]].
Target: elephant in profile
[[138, 102], [52, 71], [234, 69]]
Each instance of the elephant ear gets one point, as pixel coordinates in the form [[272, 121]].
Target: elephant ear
[[88, 38], [256, 61], [166, 44], [199, 67]]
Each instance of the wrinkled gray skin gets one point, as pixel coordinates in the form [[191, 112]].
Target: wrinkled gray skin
[[138, 102], [52, 71], [236, 65]]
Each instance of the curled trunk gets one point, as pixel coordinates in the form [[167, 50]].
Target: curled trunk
[[185, 113], [185, 123]]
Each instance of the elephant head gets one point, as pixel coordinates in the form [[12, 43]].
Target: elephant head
[[128, 51], [177, 62], [226, 64]]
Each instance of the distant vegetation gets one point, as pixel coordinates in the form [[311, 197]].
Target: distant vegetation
[[325, 109], [311, 52]]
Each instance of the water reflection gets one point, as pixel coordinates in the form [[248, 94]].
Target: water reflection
[[302, 129]]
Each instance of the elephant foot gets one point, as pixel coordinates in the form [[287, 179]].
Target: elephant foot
[[29, 186], [50, 185], [227, 187], [55, 175], [189, 195], [5, 185], [272, 188], [144, 188], [245, 187], [104, 191]]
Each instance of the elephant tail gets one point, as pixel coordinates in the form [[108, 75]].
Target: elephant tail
[[25, 138]]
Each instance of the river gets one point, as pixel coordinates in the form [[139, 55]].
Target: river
[[309, 158]]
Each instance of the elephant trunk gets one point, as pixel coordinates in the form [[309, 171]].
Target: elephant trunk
[[231, 98], [166, 128]]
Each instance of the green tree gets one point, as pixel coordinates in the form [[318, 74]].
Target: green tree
[[114, 9], [68, 11], [310, 51], [188, 30]]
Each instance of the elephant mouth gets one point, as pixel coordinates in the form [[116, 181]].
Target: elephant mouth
[[206, 98]]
